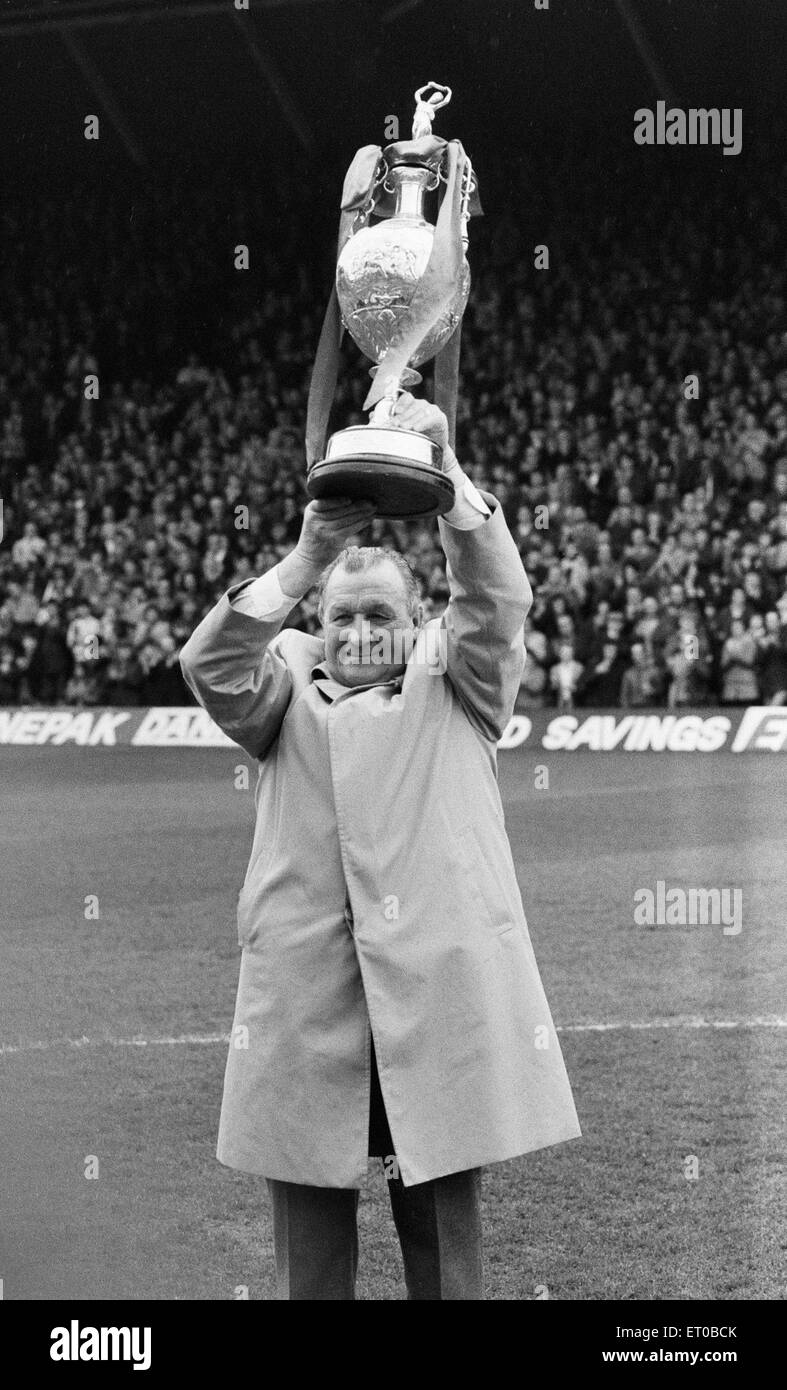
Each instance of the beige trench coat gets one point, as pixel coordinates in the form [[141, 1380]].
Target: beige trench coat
[[381, 892]]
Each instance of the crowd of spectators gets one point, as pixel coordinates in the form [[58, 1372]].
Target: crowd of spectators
[[627, 406]]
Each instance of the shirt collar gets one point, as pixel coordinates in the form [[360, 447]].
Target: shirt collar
[[334, 689]]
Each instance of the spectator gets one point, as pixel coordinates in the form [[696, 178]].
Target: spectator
[[83, 635], [51, 662], [642, 681], [564, 677], [533, 690], [125, 677], [9, 675], [687, 657], [29, 548], [772, 661], [738, 663], [600, 684], [83, 687]]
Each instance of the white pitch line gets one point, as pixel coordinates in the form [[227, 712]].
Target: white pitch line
[[52, 1044], [680, 1021], [686, 1021]]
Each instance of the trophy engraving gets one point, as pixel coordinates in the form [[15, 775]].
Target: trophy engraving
[[402, 284]]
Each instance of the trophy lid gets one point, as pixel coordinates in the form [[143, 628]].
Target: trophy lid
[[426, 153], [423, 151]]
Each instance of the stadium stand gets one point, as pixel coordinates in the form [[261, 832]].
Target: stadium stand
[[653, 524]]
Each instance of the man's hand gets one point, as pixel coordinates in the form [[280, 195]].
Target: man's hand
[[328, 523], [412, 414]]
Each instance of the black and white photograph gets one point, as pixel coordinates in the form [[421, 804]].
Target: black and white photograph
[[393, 664]]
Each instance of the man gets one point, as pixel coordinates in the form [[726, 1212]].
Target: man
[[642, 681], [600, 681], [389, 1000], [565, 676]]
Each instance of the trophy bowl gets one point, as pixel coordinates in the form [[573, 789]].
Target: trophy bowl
[[380, 269]]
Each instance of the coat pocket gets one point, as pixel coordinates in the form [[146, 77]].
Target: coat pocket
[[484, 889], [250, 895]]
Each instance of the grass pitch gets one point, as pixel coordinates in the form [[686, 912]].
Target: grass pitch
[[89, 1010]]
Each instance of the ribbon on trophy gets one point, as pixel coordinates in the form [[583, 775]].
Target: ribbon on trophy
[[357, 193]]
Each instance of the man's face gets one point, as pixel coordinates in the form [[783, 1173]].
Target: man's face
[[367, 624]]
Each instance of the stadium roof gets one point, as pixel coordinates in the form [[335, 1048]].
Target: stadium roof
[[196, 79]]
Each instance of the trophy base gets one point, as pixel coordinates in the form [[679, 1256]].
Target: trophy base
[[399, 470]]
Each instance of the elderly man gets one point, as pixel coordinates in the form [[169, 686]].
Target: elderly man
[[389, 1000]]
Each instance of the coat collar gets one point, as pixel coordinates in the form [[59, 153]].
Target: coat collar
[[334, 690]]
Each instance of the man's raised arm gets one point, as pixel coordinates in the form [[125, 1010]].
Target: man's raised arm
[[232, 662], [490, 592]]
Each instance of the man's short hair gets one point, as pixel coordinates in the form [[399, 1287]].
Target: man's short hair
[[357, 558]]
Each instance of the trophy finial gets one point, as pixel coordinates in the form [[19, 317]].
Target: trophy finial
[[426, 107]]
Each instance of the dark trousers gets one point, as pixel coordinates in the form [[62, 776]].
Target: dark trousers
[[315, 1232]]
